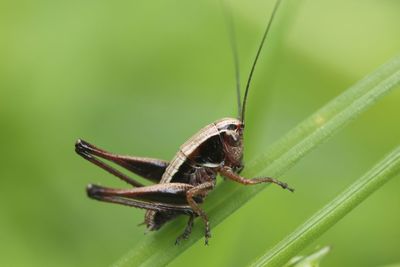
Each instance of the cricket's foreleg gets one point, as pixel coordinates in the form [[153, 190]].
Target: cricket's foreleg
[[151, 169], [199, 190], [159, 197], [188, 230], [228, 173]]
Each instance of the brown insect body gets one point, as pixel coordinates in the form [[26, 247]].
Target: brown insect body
[[182, 184], [218, 145]]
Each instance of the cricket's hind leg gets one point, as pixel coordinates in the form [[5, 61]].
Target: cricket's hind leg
[[170, 198], [151, 169]]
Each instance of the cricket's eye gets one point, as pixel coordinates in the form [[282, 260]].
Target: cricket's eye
[[232, 127]]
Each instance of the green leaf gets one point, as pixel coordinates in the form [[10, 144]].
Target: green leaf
[[312, 260], [333, 212], [158, 249]]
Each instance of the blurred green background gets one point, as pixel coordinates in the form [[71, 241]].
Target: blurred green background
[[140, 77]]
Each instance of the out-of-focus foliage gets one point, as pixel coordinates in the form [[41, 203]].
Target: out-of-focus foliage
[[140, 77]]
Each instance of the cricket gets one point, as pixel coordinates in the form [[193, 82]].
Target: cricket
[[182, 184]]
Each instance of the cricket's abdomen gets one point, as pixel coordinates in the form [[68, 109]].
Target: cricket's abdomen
[[155, 219]]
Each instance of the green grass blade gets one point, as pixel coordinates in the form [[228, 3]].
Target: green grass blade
[[312, 260], [333, 212], [392, 265], [158, 249]]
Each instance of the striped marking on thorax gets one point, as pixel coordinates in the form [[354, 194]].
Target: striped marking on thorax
[[186, 149], [200, 137], [190, 145], [173, 167]]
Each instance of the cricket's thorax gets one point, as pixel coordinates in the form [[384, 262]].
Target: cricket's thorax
[[198, 160]]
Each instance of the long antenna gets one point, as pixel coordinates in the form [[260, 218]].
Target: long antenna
[[256, 59], [232, 40]]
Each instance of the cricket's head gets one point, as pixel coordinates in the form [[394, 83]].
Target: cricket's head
[[231, 131]]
